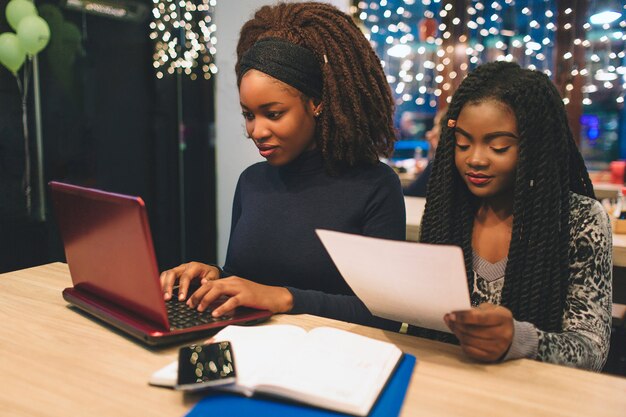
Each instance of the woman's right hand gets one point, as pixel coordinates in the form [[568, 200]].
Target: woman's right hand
[[186, 273]]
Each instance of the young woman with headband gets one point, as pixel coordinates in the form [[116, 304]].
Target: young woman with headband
[[317, 105]]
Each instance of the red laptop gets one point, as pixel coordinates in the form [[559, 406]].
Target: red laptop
[[109, 251]]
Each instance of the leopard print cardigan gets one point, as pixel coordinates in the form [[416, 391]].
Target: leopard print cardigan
[[586, 329]]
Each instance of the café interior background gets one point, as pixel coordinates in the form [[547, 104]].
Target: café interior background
[[125, 100]]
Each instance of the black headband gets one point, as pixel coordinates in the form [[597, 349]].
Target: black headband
[[287, 62]]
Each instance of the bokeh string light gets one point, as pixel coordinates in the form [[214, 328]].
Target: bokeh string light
[[184, 36], [408, 36], [605, 59]]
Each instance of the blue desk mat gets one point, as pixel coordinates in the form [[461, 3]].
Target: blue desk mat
[[232, 405]]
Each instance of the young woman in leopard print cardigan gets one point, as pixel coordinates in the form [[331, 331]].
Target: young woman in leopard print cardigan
[[510, 187]]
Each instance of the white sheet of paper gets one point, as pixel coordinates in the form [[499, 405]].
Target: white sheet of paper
[[409, 282]]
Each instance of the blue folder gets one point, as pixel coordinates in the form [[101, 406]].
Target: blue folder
[[388, 404]]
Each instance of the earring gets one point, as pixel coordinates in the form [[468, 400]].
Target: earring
[[317, 113]]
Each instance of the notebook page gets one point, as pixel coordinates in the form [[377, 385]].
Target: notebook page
[[335, 369], [258, 350]]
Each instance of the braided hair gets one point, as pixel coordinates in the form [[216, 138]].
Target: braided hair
[[356, 126], [549, 167]]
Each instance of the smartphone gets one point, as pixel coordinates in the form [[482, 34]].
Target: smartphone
[[205, 366]]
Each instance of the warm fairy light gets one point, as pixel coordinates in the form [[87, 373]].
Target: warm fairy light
[[184, 34], [420, 32], [589, 88]]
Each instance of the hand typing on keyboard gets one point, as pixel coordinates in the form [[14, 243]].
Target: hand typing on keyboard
[[186, 274], [235, 290], [240, 292], [181, 316]]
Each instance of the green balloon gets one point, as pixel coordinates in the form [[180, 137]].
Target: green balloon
[[12, 55], [52, 15], [33, 33], [17, 10], [71, 36]]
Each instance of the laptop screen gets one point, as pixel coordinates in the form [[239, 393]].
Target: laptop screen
[[108, 246]]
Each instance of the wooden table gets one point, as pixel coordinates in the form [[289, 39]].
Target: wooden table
[[406, 178], [606, 189], [55, 361], [415, 210], [619, 250]]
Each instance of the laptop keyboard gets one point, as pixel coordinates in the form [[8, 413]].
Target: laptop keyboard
[[181, 316]]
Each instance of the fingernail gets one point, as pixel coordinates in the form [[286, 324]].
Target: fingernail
[[181, 296], [166, 295], [204, 281], [215, 313]]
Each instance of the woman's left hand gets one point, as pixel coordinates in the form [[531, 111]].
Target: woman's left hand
[[485, 332], [240, 292]]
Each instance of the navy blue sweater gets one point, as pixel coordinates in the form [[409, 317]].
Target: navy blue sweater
[[275, 213]]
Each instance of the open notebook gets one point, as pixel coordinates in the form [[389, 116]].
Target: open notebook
[[326, 367]]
